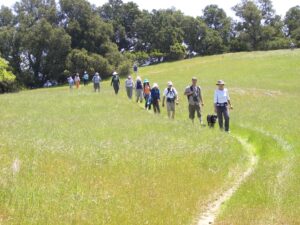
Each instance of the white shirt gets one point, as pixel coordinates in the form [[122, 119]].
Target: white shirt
[[129, 83], [221, 96], [170, 93]]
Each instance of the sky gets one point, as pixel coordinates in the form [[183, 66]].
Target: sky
[[190, 7]]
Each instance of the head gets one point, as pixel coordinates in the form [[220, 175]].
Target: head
[[115, 73], [129, 77], [97, 74], [170, 84], [155, 85], [194, 81], [139, 78], [220, 84], [77, 74]]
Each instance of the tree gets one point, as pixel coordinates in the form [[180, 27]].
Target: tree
[[6, 17], [44, 49], [177, 52], [249, 29], [7, 78], [292, 21]]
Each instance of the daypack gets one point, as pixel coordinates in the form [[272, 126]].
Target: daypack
[[139, 84]]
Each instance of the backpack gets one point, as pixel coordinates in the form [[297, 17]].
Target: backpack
[[139, 85]]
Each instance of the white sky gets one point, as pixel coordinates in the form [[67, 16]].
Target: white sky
[[190, 7]]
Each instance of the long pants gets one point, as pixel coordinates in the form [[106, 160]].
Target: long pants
[[147, 103], [139, 95], [222, 111], [97, 87], [156, 107], [85, 82], [129, 92], [116, 88]]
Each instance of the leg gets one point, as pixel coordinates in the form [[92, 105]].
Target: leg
[[192, 112], [226, 117], [220, 116], [198, 110]]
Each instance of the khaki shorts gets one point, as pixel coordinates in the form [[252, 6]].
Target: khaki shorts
[[171, 106]]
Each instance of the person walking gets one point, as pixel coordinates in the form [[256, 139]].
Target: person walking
[[135, 69], [129, 84], [139, 90], [147, 94], [222, 103], [71, 82], [77, 81], [171, 95], [96, 81], [115, 82], [155, 98], [195, 100], [85, 78]]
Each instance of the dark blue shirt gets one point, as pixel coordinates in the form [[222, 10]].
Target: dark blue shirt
[[155, 94]]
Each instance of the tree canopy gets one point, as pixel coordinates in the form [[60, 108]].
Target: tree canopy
[[50, 40]]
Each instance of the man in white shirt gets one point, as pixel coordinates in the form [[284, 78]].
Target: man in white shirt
[[221, 103], [171, 95]]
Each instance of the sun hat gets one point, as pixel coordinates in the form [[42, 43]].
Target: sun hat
[[115, 73], [155, 85], [146, 81], [96, 73], [220, 82], [194, 78], [129, 77], [170, 83], [138, 78]]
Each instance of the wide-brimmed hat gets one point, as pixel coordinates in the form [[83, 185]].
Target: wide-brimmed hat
[[146, 81], [115, 73], [194, 78], [155, 85], [220, 82], [170, 83]]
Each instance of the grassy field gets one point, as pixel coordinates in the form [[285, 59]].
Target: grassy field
[[88, 158]]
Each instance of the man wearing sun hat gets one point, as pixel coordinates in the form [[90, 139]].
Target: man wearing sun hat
[[194, 95], [171, 95], [221, 103]]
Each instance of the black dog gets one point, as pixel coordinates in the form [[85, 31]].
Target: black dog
[[211, 120]]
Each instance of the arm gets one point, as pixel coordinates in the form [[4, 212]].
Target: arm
[[163, 101], [200, 97], [215, 101], [229, 101]]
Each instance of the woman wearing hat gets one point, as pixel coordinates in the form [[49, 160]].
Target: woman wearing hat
[[129, 84], [115, 82], [221, 103], [170, 94]]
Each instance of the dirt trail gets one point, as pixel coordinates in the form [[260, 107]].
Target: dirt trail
[[213, 209]]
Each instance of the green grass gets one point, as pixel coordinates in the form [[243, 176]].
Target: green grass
[[91, 158]]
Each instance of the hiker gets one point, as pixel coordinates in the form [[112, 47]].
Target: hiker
[[139, 90], [115, 82], [77, 81], [171, 95], [71, 82], [85, 78], [292, 46], [155, 98], [221, 102], [194, 95], [129, 84], [135, 69], [96, 81], [147, 94]]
